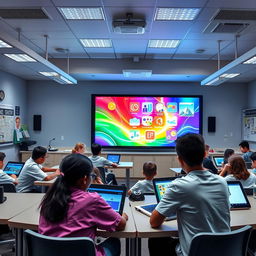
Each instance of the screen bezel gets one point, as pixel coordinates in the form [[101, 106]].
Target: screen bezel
[[156, 180], [134, 148], [122, 189], [246, 205], [12, 162], [215, 161]]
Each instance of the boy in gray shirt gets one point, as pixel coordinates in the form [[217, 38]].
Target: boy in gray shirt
[[146, 185], [5, 178], [200, 199]]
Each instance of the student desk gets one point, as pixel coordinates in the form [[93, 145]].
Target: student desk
[[239, 218], [29, 219], [127, 166]]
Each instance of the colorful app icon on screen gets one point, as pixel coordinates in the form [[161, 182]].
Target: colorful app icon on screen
[[134, 121], [186, 109], [111, 105], [159, 107], [172, 120], [159, 121], [147, 107], [134, 107], [147, 120], [150, 135], [172, 107], [171, 135], [134, 134]]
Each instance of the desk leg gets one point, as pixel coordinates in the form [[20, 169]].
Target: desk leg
[[134, 246], [127, 178], [127, 247], [19, 242], [139, 246]]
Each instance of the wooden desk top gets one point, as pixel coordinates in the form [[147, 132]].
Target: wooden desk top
[[44, 183], [30, 219], [239, 219], [16, 203]]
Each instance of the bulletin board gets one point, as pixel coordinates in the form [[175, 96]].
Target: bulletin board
[[249, 124], [7, 122]]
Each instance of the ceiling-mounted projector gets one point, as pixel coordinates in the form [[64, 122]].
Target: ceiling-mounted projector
[[129, 25]]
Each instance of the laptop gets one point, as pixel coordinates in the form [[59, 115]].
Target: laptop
[[160, 186], [13, 168], [218, 160], [238, 199], [113, 195], [115, 158]]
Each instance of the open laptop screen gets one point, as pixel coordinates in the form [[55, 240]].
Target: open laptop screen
[[115, 158], [113, 195], [218, 160], [13, 168], [237, 198]]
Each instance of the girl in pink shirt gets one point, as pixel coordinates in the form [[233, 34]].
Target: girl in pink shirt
[[68, 210]]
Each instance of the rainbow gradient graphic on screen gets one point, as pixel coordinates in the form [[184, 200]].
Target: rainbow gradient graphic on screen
[[136, 121]]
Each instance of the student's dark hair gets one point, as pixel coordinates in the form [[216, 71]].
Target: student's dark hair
[[244, 144], [149, 169], [96, 148], [38, 152], [253, 156], [2, 156], [54, 206], [227, 153], [191, 149]]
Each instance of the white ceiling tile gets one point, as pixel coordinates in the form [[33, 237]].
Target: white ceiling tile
[[135, 46]]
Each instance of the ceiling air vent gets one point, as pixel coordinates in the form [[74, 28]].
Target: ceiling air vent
[[235, 15], [16, 13], [229, 27]]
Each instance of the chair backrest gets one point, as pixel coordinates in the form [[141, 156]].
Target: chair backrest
[[102, 174], [9, 187], [232, 243], [40, 245]]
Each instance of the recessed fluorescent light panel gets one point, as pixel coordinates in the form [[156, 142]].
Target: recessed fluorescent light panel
[[229, 75], [20, 57], [82, 13], [137, 73], [163, 43], [48, 74], [96, 43], [176, 13], [251, 61], [4, 44]]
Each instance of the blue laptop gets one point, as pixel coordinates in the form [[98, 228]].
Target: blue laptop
[[115, 158], [13, 168]]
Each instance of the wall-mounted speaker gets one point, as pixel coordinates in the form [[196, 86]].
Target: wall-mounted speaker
[[211, 123], [37, 122]]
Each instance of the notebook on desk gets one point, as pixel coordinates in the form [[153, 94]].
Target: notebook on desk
[[160, 186], [238, 199], [218, 160], [113, 195], [13, 168], [115, 158]]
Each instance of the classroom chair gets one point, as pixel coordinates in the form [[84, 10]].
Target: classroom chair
[[234, 243], [40, 245]]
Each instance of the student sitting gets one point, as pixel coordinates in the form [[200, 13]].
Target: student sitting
[[79, 148], [68, 210], [200, 199], [5, 178], [236, 170], [245, 149], [207, 162], [33, 171], [253, 159], [146, 185], [99, 161]]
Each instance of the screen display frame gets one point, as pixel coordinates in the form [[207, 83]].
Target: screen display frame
[[139, 148]]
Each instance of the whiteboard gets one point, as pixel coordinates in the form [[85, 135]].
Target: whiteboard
[[7, 122], [249, 124]]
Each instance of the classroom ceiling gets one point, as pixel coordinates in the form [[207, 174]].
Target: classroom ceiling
[[196, 40]]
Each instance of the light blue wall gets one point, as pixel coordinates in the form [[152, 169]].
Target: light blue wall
[[66, 110], [15, 94]]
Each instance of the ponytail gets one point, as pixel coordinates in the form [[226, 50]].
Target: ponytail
[[54, 205]]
